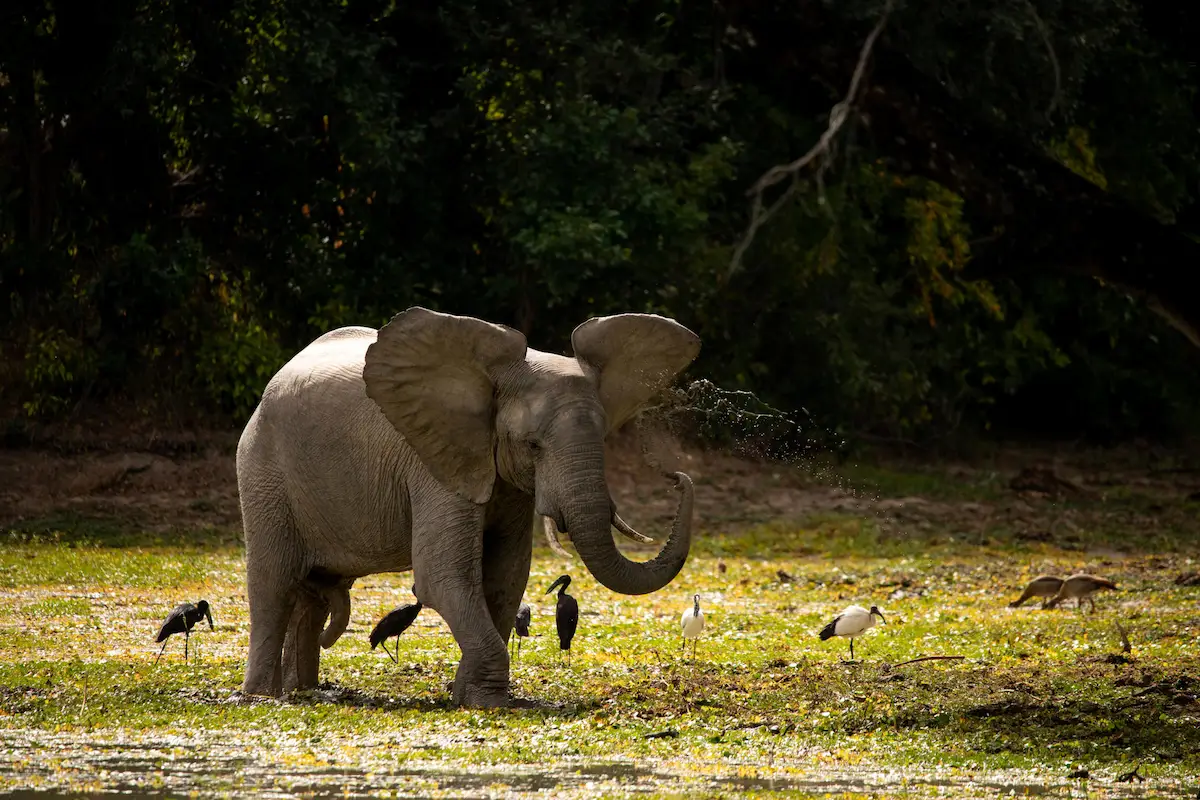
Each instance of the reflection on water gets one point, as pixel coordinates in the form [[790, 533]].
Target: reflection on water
[[136, 770]]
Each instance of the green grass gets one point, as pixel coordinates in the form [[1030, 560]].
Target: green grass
[[1037, 693]]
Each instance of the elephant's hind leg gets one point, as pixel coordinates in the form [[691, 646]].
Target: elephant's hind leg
[[301, 647], [270, 609], [273, 574]]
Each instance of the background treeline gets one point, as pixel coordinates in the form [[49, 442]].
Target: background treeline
[[189, 192]]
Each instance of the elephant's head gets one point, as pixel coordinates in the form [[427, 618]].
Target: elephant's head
[[475, 402]]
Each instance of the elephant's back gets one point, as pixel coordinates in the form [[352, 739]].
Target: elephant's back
[[321, 451], [317, 402]]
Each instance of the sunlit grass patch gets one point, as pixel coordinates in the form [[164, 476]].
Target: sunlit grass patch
[[764, 704], [929, 482]]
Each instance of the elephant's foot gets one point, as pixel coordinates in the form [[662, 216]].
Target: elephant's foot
[[250, 689], [473, 690]]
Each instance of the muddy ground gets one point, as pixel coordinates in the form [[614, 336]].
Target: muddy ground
[[179, 480]]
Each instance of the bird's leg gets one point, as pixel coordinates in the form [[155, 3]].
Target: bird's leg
[[851, 649], [395, 658], [160, 652], [186, 635]]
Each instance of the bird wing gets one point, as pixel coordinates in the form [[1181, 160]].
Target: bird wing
[[566, 620], [176, 622], [394, 623], [830, 630]]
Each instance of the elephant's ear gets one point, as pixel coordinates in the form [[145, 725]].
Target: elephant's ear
[[433, 375], [634, 356]]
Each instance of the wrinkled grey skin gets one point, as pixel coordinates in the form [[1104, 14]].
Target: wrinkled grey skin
[[430, 445]]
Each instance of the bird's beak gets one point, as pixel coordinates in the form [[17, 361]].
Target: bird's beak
[[554, 585], [208, 614], [880, 615]]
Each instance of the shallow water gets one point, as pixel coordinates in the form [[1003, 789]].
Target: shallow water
[[35, 764]]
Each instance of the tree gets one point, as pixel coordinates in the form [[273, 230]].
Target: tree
[[1132, 86]]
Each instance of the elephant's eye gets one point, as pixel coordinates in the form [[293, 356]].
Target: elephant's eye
[[534, 446]]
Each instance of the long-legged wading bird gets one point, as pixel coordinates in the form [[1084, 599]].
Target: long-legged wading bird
[[181, 620], [1081, 587], [692, 623], [394, 623], [566, 614], [854, 621], [521, 625], [1043, 586]]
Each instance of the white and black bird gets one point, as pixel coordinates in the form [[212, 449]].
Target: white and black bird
[[181, 620], [566, 614], [394, 623], [521, 625], [851, 623], [692, 623]]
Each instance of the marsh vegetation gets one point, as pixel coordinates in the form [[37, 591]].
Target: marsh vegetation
[[766, 709]]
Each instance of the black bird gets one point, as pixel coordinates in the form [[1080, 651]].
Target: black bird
[[521, 627], [182, 620], [566, 614], [394, 623]]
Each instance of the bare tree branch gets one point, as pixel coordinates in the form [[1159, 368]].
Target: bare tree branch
[[1044, 32], [928, 658], [837, 119]]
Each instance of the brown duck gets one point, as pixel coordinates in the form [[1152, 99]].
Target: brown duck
[[1044, 586], [1081, 587]]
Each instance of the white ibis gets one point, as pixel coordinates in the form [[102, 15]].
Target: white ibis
[[394, 623], [692, 623], [853, 622], [181, 620], [521, 625], [1044, 586], [1080, 587], [566, 614]]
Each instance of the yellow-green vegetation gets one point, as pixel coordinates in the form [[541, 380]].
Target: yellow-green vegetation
[[767, 710]]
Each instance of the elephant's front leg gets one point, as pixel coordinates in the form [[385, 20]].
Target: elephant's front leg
[[507, 552], [447, 567]]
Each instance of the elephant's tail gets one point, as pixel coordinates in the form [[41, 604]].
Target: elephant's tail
[[339, 614]]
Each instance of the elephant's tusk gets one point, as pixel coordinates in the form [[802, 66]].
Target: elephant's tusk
[[552, 537], [627, 531]]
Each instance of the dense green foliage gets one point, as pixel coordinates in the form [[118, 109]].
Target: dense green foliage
[[189, 194]]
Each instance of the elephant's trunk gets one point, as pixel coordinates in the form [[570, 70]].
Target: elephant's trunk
[[589, 524]]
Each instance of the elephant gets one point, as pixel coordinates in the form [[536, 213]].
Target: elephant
[[432, 444]]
